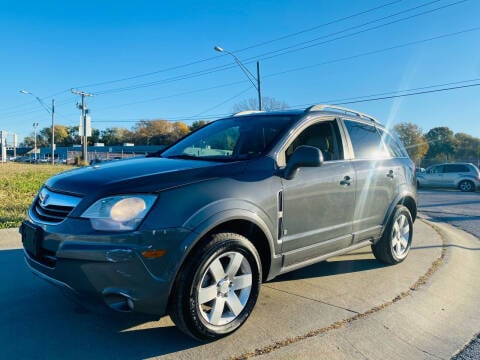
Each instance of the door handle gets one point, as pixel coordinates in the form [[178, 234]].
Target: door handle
[[346, 181], [390, 174]]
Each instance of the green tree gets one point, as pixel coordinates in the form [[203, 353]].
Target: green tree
[[42, 139], [468, 148], [116, 136], [197, 124], [61, 135], [442, 144], [414, 141]]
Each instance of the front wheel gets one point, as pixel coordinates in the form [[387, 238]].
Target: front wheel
[[395, 243], [466, 185], [217, 288]]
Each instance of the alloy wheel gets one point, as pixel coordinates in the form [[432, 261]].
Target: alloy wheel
[[225, 288]]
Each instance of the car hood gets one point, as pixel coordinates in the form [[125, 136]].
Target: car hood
[[139, 175]]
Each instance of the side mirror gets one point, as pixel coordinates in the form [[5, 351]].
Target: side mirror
[[303, 156]]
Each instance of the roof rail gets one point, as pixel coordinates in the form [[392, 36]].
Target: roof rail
[[247, 112], [346, 111]]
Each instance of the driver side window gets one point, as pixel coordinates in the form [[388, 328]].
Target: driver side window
[[324, 136]]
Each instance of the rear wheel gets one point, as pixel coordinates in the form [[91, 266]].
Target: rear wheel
[[466, 185], [395, 243], [217, 288]]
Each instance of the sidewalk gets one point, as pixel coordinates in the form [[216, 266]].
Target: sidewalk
[[435, 321]]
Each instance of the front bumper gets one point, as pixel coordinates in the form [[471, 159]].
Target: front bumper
[[110, 268]]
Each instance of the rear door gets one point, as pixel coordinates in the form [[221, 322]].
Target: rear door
[[434, 176], [377, 174]]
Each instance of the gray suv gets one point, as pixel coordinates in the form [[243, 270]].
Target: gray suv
[[192, 231], [463, 176]]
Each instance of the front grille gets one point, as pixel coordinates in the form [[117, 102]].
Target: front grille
[[53, 207], [51, 213]]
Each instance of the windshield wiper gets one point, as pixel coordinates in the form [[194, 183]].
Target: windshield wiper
[[186, 157], [203, 158]]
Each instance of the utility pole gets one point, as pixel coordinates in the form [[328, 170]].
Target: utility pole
[[83, 107], [15, 144], [53, 132], [35, 126], [259, 91]]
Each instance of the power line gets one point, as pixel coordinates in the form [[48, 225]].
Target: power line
[[362, 99], [227, 67], [313, 42], [244, 49], [372, 52], [223, 102], [376, 97], [306, 67], [285, 50]]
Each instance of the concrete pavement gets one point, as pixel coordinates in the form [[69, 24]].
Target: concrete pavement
[[349, 306]]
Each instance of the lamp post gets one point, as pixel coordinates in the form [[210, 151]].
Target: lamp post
[[254, 80], [35, 126], [50, 111]]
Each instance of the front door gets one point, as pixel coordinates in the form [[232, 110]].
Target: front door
[[318, 203]]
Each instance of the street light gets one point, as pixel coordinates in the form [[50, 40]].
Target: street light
[[249, 75], [50, 111], [35, 126]]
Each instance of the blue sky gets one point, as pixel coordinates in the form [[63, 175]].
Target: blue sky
[[134, 57]]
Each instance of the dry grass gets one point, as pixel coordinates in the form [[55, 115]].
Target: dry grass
[[19, 183]]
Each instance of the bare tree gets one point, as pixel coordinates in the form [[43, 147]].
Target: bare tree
[[268, 104]]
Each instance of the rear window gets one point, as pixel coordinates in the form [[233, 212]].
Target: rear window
[[366, 141], [456, 168]]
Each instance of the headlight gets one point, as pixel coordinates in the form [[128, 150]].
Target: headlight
[[119, 213]]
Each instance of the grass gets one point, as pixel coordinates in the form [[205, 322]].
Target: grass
[[19, 183]]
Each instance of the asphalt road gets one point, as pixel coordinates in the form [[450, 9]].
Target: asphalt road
[[463, 211]]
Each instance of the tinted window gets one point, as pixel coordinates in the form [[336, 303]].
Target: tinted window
[[455, 168], [436, 169], [393, 145], [366, 141], [324, 136]]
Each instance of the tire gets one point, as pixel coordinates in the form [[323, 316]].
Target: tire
[[217, 287], [466, 186], [396, 241]]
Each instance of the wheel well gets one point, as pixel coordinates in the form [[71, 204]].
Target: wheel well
[[411, 205], [254, 234]]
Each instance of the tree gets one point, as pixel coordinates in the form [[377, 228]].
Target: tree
[[197, 124], [42, 140], [414, 141], [158, 132], [116, 136], [442, 144], [268, 104], [468, 148], [62, 137], [180, 129]]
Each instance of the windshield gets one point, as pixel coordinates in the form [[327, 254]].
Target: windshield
[[237, 138]]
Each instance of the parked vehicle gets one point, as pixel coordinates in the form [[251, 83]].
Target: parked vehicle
[[193, 230], [463, 176]]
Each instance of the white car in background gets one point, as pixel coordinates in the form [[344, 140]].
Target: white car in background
[[463, 176]]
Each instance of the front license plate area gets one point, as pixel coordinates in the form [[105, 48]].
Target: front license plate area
[[32, 238]]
